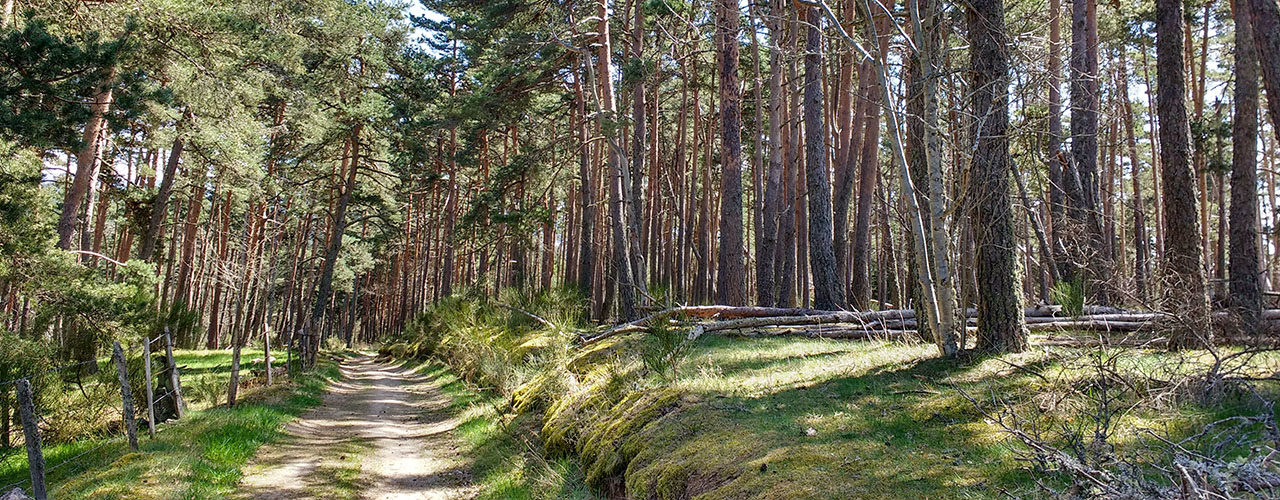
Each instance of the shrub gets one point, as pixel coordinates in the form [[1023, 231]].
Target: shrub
[[1070, 294]]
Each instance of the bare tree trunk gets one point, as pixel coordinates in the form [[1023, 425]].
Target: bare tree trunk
[[1246, 290], [640, 131], [161, 204], [86, 165], [730, 281], [1184, 273], [1085, 100], [1057, 176], [618, 185], [828, 288], [338, 227], [190, 228], [1140, 271], [869, 164], [1001, 326], [848, 123], [1266, 32], [766, 286]]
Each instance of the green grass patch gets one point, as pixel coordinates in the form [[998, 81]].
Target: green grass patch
[[198, 457]]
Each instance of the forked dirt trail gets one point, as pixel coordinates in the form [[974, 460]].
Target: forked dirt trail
[[382, 433]]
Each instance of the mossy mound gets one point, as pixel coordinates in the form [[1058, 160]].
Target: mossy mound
[[604, 448]]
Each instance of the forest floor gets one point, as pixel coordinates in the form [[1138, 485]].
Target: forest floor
[[382, 432]]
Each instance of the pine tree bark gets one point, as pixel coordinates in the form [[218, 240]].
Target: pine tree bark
[[159, 207], [1245, 286], [635, 201], [338, 227], [766, 286], [828, 290], [868, 168], [1085, 102], [730, 280], [1184, 268], [848, 124], [618, 182], [87, 165], [1001, 326], [923, 154], [1265, 15], [1140, 272]]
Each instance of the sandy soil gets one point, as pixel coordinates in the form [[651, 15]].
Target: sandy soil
[[382, 433]]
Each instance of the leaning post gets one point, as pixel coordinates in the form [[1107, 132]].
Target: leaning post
[[151, 396], [266, 349], [126, 396], [31, 433], [175, 382]]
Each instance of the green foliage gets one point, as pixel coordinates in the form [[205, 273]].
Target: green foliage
[[1070, 294], [25, 221], [182, 322], [207, 389], [47, 81], [664, 350]]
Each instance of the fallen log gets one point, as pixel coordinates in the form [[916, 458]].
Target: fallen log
[[711, 312], [1065, 341], [1126, 318], [826, 332], [1094, 325], [1096, 318]]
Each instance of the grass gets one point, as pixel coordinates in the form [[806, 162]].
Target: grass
[[198, 457], [812, 418], [505, 464], [780, 417]]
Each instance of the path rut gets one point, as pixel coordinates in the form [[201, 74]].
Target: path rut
[[382, 432]]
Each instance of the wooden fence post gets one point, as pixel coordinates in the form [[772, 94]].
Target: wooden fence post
[[151, 396], [288, 358], [31, 432], [266, 348], [126, 396], [5, 409], [175, 383]]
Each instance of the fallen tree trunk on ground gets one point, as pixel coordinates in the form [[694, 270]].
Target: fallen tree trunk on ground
[[860, 324]]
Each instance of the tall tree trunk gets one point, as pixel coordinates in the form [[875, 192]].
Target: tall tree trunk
[[1085, 100], [1057, 177], [943, 296], [1265, 15], [1139, 216], [869, 165], [190, 231], [1001, 326], [159, 207], [1246, 290], [848, 118], [1184, 268], [618, 182], [639, 123], [86, 164], [730, 281], [338, 226], [828, 288], [766, 261]]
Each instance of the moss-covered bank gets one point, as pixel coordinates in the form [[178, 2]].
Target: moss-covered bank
[[775, 418]]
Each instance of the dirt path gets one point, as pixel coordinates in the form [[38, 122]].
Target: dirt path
[[382, 433]]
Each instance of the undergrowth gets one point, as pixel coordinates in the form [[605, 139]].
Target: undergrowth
[[654, 416]]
